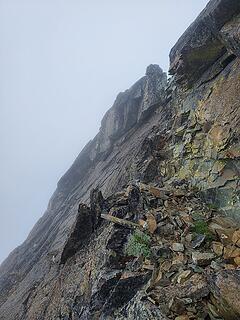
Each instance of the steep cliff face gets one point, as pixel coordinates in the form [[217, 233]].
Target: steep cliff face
[[107, 162], [181, 132], [206, 144], [128, 112]]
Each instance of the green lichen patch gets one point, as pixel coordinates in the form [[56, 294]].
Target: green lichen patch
[[138, 245]]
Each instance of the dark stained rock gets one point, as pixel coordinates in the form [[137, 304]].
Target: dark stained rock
[[201, 45], [151, 170], [106, 286], [140, 308], [81, 232], [97, 205], [125, 289], [134, 198]]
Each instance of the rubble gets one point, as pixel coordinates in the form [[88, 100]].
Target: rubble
[[202, 258], [236, 238], [178, 247], [217, 248], [188, 244]]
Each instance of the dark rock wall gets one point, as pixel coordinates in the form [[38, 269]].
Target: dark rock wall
[[204, 42]]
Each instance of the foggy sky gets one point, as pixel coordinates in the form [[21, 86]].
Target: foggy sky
[[62, 63]]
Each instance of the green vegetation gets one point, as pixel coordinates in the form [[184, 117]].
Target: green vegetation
[[138, 245], [212, 206], [201, 227]]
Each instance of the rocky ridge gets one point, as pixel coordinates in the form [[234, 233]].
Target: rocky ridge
[[176, 145], [166, 256]]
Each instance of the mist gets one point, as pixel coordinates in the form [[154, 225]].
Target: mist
[[62, 63]]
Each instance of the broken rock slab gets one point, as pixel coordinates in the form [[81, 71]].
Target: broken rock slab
[[225, 289], [202, 258]]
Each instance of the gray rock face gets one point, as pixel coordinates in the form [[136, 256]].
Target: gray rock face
[[203, 43], [129, 109], [132, 106], [166, 134]]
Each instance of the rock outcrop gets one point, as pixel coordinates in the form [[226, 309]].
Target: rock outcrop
[[165, 163], [209, 38]]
